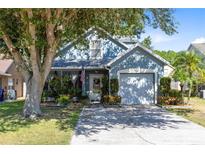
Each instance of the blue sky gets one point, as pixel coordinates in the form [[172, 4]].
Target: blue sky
[[191, 28]]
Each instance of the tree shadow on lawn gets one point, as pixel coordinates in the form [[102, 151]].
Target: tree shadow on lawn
[[95, 120], [11, 118], [183, 112]]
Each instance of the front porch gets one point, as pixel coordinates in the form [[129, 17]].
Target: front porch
[[77, 82]]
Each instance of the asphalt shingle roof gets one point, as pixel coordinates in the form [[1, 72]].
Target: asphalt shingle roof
[[82, 63], [5, 64], [199, 46]]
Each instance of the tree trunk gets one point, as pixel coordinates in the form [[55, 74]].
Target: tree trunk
[[182, 91], [34, 89], [190, 90]]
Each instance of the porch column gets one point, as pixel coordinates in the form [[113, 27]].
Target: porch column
[[83, 82], [61, 78]]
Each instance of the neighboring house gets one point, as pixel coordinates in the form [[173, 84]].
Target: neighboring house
[[11, 78], [137, 68], [199, 49]]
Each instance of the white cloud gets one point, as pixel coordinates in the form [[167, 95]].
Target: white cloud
[[199, 40]]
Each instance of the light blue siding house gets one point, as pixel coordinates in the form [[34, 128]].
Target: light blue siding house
[[137, 69]]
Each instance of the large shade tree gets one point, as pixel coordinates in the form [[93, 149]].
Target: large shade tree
[[32, 37]]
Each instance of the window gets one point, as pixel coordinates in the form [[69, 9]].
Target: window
[[95, 49], [10, 82]]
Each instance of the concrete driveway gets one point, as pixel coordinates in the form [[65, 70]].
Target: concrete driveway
[[135, 125]]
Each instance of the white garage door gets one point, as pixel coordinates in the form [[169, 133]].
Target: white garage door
[[137, 88]]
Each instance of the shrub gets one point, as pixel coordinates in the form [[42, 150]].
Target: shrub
[[167, 100], [67, 85], [173, 97], [63, 99], [165, 86], [55, 87], [175, 93], [111, 100], [114, 86], [105, 85], [75, 92]]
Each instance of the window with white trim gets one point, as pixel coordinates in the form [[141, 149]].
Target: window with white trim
[[95, 49]]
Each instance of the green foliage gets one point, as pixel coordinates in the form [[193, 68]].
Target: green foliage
[[63, 99], [111, 100], [175, 93], [169, 96], [147, 42], [180, 75], [188, 69], [165, 86], [75, 92], [114, 86], [66, 85], [55, 87], [170, 55], [73, 22], [105, 85]]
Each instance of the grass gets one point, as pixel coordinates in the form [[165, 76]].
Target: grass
[[196, 113], [55, 127]]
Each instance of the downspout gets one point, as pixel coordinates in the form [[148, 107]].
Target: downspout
[[107, 68]]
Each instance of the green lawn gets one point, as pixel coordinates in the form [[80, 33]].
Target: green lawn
[[55, 127], [196, 113]]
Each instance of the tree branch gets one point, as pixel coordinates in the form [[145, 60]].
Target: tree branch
[[16, 55], [52, 41], [35, 58]]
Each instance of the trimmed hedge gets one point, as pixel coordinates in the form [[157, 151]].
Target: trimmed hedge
[[114, 86], [168, 96], [165, 87]]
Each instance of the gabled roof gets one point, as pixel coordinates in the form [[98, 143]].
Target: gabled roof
[[79, 64], [102, 62], [139, 46], [90, 31], [5, 65], [200, 47]]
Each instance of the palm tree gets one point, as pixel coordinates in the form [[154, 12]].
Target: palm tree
[[189, 64]]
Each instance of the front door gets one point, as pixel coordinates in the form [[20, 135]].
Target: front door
[[95, 82]]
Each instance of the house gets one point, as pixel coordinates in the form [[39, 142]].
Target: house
[[137, 68], [199, 49], [11, 78]]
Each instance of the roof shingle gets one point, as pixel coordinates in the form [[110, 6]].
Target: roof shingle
[[5, 64]]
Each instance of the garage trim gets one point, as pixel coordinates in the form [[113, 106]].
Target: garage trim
[[141, 71]]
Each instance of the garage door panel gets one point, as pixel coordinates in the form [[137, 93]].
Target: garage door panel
[[137, 88]]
